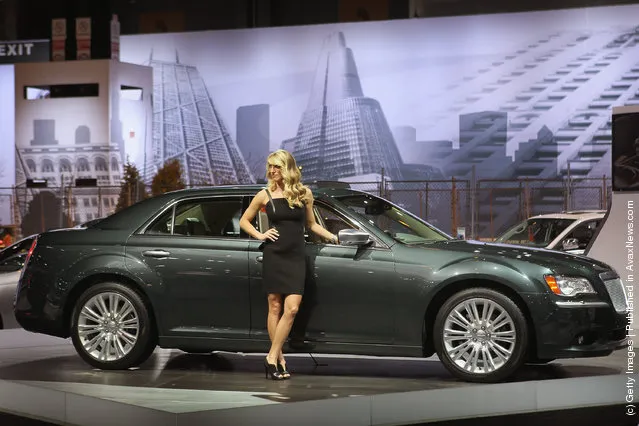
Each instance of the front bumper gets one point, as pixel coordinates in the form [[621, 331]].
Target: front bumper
[[579, 329]]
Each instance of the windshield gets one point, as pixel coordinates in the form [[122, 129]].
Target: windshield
[[401, 225], [538, 232]]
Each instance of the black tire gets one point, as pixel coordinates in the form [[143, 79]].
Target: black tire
[[146, 336], [517, 324]]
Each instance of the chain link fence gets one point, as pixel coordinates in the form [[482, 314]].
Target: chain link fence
[[446, 204], [501, 204], [483, 209]]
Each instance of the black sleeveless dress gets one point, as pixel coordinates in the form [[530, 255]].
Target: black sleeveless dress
[[284, 260]]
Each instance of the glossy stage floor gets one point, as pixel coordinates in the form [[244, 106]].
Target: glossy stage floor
[[43, 378]]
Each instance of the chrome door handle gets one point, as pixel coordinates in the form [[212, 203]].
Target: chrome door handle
[[259, 259], [156, 253]]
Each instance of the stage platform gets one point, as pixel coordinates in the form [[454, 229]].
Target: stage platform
[[43, 378]]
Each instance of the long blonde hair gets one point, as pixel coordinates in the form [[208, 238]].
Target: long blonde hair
[[294, 191]]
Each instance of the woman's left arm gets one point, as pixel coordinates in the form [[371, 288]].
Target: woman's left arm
[[313, 226]]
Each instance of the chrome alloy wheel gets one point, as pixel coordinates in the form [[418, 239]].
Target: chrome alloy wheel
[[108, 326], [479, 336]]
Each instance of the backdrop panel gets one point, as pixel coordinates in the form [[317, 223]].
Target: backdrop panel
[[485, 99]]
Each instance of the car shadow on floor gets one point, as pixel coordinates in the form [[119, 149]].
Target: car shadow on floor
[[167, 366]]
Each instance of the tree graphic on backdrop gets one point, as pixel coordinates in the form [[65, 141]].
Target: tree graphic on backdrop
[[45, 212], [170, 177], [132, 188]]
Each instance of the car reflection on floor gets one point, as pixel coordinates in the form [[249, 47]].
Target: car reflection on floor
[[27, 357]]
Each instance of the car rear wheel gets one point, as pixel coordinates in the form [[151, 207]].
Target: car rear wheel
[[112, 328], [481, 335]]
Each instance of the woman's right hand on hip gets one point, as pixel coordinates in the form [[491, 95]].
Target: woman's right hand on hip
[[271, 234]]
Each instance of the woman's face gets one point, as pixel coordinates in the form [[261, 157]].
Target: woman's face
[[275, 172]]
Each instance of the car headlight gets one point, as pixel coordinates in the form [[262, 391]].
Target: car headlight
[[568, 286]]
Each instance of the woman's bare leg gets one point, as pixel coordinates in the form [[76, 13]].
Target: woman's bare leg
[[274, 313], [291, 307]]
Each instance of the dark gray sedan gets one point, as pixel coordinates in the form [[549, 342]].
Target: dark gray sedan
[[177, 271]]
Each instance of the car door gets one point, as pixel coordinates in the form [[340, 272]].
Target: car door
[[348, 294], [199, 255]]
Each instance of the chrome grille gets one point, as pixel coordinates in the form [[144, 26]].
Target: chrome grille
[[617, 294]]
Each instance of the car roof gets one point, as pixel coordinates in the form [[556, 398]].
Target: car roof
[[324, 189], [573, 214], [134, 216]]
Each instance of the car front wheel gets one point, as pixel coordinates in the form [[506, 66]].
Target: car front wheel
[[481, 335], [112, 328]]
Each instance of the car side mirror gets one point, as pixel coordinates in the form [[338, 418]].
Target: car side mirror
[[570, 244], [353, 237]]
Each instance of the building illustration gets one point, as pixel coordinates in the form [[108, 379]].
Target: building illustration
[[342, 133], [253, 136], [60, 163], [187, 126], [539, 113]]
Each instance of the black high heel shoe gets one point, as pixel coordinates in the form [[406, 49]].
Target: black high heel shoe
[[285, 374], [272, 371]]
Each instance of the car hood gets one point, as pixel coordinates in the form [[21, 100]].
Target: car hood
[[551, 259]]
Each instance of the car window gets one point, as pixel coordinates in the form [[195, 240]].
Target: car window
[[398, 223], [209, 217], [261, 222], [331, 220], [582, 233], [539, 232]]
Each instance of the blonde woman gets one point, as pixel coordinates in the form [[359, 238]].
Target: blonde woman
[[289, 206]]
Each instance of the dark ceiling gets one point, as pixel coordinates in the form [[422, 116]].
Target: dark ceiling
[[31, 19]]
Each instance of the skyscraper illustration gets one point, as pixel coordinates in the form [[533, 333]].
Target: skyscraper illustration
[[343, 133], [253, 136], [187, 126]]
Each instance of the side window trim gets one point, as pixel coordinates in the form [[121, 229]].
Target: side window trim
[[173, 209]]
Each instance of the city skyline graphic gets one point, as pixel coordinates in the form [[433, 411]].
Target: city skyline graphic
[[539, 110]]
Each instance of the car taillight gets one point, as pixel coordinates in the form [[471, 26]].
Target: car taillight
[[30, 252], [21, 283]]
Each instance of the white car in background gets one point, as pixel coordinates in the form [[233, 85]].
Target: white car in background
[[11, 263], [570, 232]]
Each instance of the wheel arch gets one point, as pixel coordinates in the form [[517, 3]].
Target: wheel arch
[[87, 282], [454, 287]]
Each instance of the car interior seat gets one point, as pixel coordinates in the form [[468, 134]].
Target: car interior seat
[[584, 235], [232, 228], [195, 227]]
